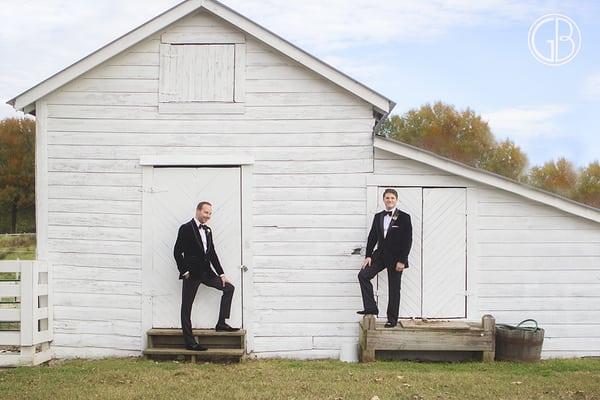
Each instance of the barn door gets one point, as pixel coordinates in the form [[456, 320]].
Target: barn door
[[444, 252], [434, 286], [175, 195]]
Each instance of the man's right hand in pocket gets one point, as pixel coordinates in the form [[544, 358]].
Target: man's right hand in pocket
[[366, 262]]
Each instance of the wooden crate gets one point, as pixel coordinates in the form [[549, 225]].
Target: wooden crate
[[428, 336]]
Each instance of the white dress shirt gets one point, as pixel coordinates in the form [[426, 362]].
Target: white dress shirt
[[387, 219], [202, 233]]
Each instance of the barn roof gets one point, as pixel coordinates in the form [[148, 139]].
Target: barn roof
[[488, 178], [26, 100]]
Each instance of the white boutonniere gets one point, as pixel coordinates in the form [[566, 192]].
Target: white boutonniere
[[207, 229], [395, 216]]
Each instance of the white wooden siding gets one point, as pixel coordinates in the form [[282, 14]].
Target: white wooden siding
[[527, 259], [542, 263], [312, 146]]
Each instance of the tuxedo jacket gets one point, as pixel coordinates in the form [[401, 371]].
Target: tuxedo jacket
[[190, 254], [397, 242]]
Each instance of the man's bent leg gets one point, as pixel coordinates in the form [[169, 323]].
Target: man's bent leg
[[226, 298], [188, 293], [366, 287]]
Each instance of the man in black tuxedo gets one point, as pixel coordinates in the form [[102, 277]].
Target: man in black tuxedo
[[194, 253], [392, 232]]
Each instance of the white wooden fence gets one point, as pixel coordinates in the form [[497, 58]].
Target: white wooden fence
[[30, 344]]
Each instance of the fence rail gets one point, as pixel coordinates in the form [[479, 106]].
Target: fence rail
[[30, 345]]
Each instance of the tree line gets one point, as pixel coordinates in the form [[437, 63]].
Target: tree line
[[465, 137]]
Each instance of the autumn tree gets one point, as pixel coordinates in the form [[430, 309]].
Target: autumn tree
[[557, 176], [506, 158], [440, 128], [17, 166], [460, 135], [588, 185]]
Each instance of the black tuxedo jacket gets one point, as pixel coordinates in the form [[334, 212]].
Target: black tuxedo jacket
[[190, 254], [397, 242]]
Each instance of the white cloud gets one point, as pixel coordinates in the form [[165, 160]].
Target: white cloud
[[41, 37], [334, 24], [525, 123]]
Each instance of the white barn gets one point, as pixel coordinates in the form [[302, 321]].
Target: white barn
[[129, 140]]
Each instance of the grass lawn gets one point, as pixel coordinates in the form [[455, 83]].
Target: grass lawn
[[283, 379], [13, 247]]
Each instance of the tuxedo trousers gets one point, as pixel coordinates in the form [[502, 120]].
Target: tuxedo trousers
[[188, 294], [366, 287]]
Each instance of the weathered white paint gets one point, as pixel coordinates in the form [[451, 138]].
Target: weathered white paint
[[188, 73]]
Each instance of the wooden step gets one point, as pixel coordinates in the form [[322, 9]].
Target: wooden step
[[173, 338], [195, 332], [180, 353]]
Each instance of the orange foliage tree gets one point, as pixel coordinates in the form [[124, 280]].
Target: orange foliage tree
[[17, 166]]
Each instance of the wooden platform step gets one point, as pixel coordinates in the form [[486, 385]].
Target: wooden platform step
[[425, 340], [168, 344], [222, 355], [195, 332]]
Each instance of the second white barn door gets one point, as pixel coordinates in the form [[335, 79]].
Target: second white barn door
[[434, 285], [175, 195]]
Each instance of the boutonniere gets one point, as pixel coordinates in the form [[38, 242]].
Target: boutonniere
[[207, 229], [395, 216]]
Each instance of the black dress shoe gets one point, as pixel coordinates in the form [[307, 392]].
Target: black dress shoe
[[223, 327], [366, 312], [389, 325], [195, 347]]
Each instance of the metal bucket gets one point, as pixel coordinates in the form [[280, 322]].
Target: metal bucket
[[519, 343]]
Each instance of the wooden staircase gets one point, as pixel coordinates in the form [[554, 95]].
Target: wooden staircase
[[168, 344]]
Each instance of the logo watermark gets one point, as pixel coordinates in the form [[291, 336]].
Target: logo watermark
[[554, 39]]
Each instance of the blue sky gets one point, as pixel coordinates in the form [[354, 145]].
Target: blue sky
[[469, 54]]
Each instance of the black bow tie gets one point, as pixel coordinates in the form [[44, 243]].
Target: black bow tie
[[203, 226], [388, 213]]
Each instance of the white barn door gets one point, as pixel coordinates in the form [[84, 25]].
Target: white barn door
[[444, 252], [434, 285], [175, 195]]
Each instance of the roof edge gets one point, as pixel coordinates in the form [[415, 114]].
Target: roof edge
[[107, 51], [488, 178], [73, 71]]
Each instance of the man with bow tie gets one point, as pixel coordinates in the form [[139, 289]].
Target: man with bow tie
[[392, 233], [194, 253]]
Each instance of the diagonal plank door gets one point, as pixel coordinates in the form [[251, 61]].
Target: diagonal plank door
[[444, 252], [176, 193], [409, 201]]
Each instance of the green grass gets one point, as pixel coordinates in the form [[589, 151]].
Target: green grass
[[282, 379], [13, 247]]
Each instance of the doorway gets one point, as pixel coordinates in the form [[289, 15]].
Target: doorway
[[435, 284], [174, 195]]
